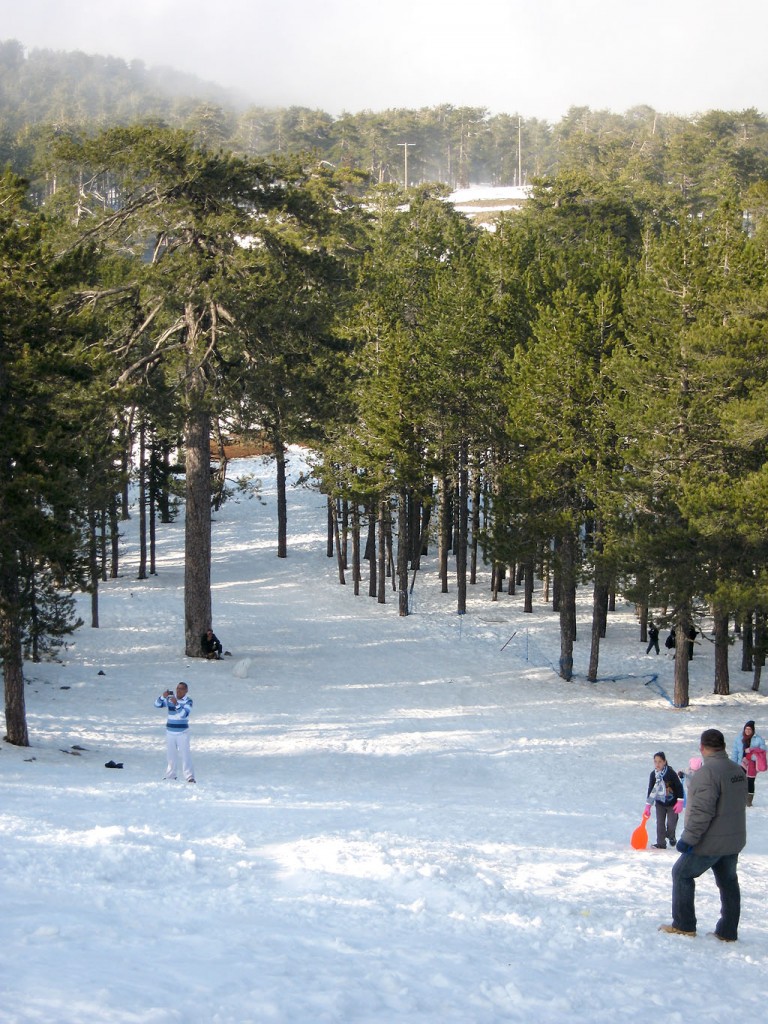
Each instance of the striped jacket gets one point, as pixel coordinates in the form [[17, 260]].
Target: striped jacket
[[178, 713]]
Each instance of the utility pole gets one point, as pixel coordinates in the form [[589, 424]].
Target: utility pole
[[405, 146], [519, 151]]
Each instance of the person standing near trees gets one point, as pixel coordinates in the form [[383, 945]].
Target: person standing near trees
[[690, 635], [177, 730], [653, 637], [666, 791], [745, 753], [715, 833]]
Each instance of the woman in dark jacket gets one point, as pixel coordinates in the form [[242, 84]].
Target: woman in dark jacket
[[666, 791]]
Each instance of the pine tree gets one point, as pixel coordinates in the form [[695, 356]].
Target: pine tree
[[42, 500], [688, 357]]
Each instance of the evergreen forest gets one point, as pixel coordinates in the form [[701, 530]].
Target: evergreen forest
[[578, 396]]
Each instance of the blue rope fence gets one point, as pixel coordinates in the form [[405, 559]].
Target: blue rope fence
[[536, 656]]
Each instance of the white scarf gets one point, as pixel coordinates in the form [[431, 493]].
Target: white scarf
[[659, 791]]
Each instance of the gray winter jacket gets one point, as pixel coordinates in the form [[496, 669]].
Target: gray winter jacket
[[715, 814]]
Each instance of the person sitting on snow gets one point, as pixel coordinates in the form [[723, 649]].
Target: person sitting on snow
[[210, 645]]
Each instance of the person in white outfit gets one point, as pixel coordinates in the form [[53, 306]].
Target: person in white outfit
[[177, 730]]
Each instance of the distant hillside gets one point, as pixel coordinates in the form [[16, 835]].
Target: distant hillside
[[42, 90], [56, 87]]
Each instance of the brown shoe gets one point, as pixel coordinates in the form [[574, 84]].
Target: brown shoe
[[721, 937], [671, 930]]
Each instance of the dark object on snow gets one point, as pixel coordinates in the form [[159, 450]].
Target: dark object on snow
[[101, 672], [669, 643], [111, 764]]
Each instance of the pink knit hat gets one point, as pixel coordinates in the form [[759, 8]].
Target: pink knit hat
[[694, 764]]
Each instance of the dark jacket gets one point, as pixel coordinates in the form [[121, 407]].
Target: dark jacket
[[716, 815], [210, 644], [672, 782]]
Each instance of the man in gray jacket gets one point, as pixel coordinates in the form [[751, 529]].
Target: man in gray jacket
[[715, 832]]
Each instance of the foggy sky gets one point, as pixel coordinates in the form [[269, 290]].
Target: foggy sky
[[531, 57]]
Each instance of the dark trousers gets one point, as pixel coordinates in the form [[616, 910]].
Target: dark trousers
[[666, 823], [652, 643], [687, 869]]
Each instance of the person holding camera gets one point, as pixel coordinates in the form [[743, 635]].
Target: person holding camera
[[179, 707]]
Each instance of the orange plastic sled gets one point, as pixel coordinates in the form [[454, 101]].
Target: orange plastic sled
[[639, 838]]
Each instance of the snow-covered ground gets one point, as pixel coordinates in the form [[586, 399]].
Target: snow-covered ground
[[483, 203], [395, 819], [491, 194]]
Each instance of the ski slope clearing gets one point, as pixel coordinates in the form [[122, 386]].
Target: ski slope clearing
[[395, 819]]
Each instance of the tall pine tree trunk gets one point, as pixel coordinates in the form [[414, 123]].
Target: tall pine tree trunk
[[528, 576], [11, 651], [722, 677], [403, 550], [114, 538], [282, 501], [370, 551], [127, 444], [356, 574], [682, 626], [93, 566], [759, 645], [599, 612], [345, 533], [103, 544], [381, 590], [329, 542], [197, 532], [462, 539], [746, 644], [512, 579], [142, 501], [333, 505], [567, 576], [445, 531], [642, 614], [475, 523], [426, 516], [164, 497]]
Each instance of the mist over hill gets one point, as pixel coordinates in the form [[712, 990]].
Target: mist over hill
[[43, 90]]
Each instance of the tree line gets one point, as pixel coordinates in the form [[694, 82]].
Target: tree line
[[578, 394], [45, 91]]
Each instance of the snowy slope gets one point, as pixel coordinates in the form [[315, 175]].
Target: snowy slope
[[396, 819]]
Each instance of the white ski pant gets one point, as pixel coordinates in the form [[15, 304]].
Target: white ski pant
[[178, 743]]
